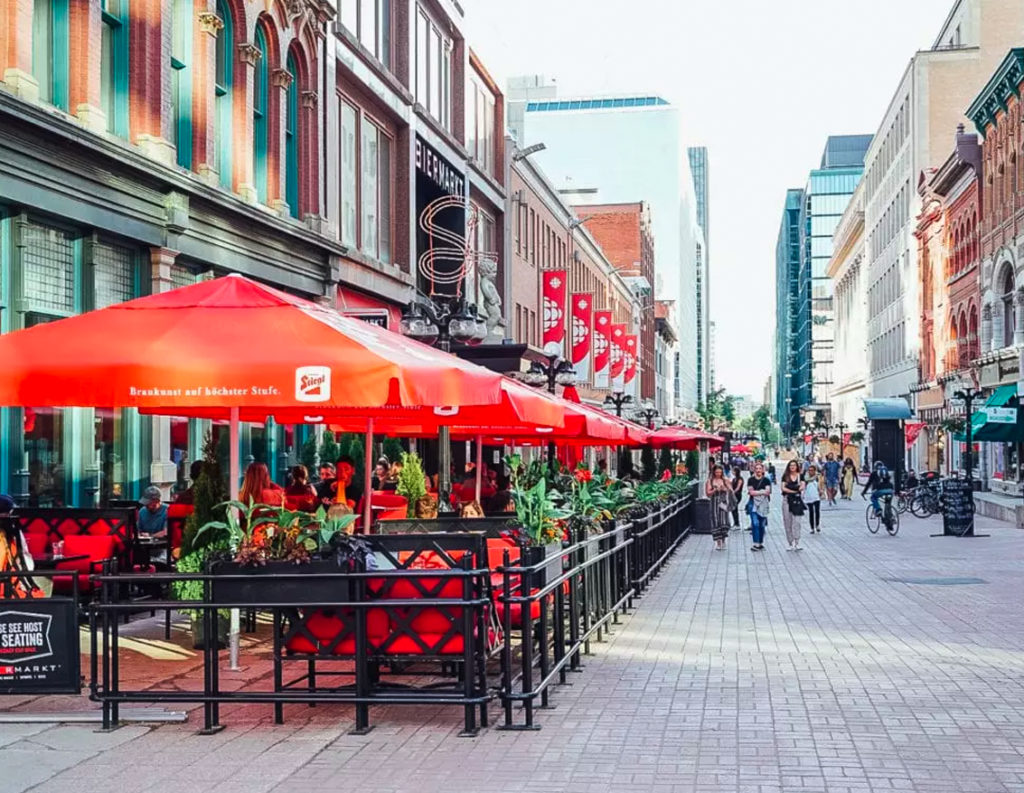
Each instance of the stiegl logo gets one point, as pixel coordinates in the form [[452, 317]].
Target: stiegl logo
[[313, 383]]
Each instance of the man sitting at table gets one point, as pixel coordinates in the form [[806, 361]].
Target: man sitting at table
[[352, 489], [153, 515], [325, 487]]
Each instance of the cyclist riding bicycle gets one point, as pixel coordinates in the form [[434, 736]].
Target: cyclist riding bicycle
[[880, 484]]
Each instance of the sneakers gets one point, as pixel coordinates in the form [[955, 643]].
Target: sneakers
[[790, 548], [797, 547]]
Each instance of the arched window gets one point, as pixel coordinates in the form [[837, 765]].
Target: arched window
[[259, 116], [291, 140], [223, 84], [114, 66], [181, 81], [953, 352], [973, 343], [1006, 295], [50, 35]]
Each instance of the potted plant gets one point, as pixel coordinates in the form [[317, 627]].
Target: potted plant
[[267, 541], [539, 517], [412, 483]]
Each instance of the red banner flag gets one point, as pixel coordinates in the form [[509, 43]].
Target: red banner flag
[[602, 347], [554, 306], [582, 321], [629, 378], [618, 364], [911, 430]]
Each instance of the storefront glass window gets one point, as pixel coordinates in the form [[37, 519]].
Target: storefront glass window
[[110, 448], [44, 456]]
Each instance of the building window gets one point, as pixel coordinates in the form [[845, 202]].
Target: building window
[[480, 124], [433, 68], [370, 22], [259, 116], [1007, 298], [113, 274], [181, 81], [50, 34], [114, 66], [48, 270], [366, 156], [291, 140], [223, 84]]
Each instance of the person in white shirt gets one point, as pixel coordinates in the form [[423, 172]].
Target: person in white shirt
[[814, 486]]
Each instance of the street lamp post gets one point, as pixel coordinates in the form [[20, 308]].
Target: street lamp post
[[441, 320], [968, 395], [556, 371], [617, 400], [648, 413]]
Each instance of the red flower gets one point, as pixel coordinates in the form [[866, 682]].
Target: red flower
[[583, 475]]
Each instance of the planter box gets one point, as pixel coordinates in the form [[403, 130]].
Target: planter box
[[550, 555], [492, 527], [264, 585]]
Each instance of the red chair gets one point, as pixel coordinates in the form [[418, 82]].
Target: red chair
[[397, 506], [38, 544], [96, 549], [177, 515]]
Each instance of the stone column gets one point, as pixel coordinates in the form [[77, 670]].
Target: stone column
[[163, 473], [241, 145], [16, 50], [204, 98], [986, 328], [1018, 318], [309, 162], [277, 161]]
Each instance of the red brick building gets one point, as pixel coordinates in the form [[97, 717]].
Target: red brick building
[[624, 233]]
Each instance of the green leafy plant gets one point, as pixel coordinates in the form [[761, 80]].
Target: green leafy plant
[[538, 509], [648, 464], [309, 454], [692, 463], [856, 437], [411, 481], [208, 491], [665, 461], [392, 448]]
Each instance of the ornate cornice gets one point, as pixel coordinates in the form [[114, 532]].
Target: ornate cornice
[[281, 78], [995, 96], [309, 99], [210, 23], [249, 53]]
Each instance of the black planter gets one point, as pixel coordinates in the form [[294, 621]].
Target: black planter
[[280, 582], [551, 557]]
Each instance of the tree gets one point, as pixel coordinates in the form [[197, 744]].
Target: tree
[[392, 449], [728, 409], [330, 451], [665, 461], [648, 463], [308, 454], [692, 463], [208, 491]]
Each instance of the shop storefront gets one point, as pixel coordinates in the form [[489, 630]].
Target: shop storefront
[[1000, 426]]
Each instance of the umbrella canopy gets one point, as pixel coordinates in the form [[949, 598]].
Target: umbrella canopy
[[682, 438], [230, 343]]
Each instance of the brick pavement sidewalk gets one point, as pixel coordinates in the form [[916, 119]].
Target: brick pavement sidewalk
[[864, 663]]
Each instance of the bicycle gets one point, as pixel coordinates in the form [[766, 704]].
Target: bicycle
[[886, 516], [903, 500], [925, 502]]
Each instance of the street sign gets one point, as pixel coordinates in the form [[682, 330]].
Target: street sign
[[1000, 415], [39, 648]]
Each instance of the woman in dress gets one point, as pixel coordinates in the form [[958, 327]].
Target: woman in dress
[[849, 478], [723, 500]]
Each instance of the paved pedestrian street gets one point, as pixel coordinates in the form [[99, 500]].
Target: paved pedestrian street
[[863, 663]]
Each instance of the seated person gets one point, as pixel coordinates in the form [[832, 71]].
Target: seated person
[[500, 503], [351, 490], [471, 509], [153, 514], [325, 488], [300, 493], [187, 496], [380, 474]]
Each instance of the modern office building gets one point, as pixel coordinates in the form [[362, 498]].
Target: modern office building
[[626, 149], [700, 171], [825, 199], [788, 312]]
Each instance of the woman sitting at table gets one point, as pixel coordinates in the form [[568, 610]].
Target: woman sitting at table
[[259, 488], [300, 495]]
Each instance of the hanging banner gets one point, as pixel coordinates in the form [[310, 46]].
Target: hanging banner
[[911, 430], [602, 348], [629, 379], [553, 294], [618, 362], [582, 320]]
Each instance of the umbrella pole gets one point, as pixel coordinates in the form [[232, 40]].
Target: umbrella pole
[[367, 467], [479, 465], [233, 475]]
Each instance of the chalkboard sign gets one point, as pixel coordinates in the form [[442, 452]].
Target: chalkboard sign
[[957, 508], [39, 648]]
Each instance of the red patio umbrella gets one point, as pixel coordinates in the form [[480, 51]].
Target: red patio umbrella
[[683, 438]]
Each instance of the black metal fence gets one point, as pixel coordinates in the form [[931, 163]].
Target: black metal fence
[[443, 622]]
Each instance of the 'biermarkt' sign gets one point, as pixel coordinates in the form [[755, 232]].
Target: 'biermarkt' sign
[[39, 652]]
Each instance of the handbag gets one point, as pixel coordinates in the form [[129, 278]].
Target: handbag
[[796, 504]]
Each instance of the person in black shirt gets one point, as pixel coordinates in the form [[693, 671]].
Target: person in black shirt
[[325, 487], [759, 488]]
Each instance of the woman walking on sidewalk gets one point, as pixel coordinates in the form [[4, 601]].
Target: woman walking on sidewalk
[[814, 485], [720, 492], [737, 491], [759, 488], [849, 478], [793, 505]]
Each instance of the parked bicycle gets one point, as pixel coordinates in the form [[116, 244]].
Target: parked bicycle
[[926, 500]]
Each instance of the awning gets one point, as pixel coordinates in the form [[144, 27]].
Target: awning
[[888, 408], [999, 432], [977, 422], [1001, 396]]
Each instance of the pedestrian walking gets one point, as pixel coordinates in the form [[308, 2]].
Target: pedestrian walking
[[831, 471], [737, 491], [849, 478], [720, 492], [771, 472], [759, 488], [814, 486], [792, 488]]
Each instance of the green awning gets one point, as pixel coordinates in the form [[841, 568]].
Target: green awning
[[977, 422], [1001, 396], [888, 408], [997, 432]]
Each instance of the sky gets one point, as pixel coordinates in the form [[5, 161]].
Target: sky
[[761, 84]]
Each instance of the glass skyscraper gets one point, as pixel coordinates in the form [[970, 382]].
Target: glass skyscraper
[[698, 156], [805, 330]]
